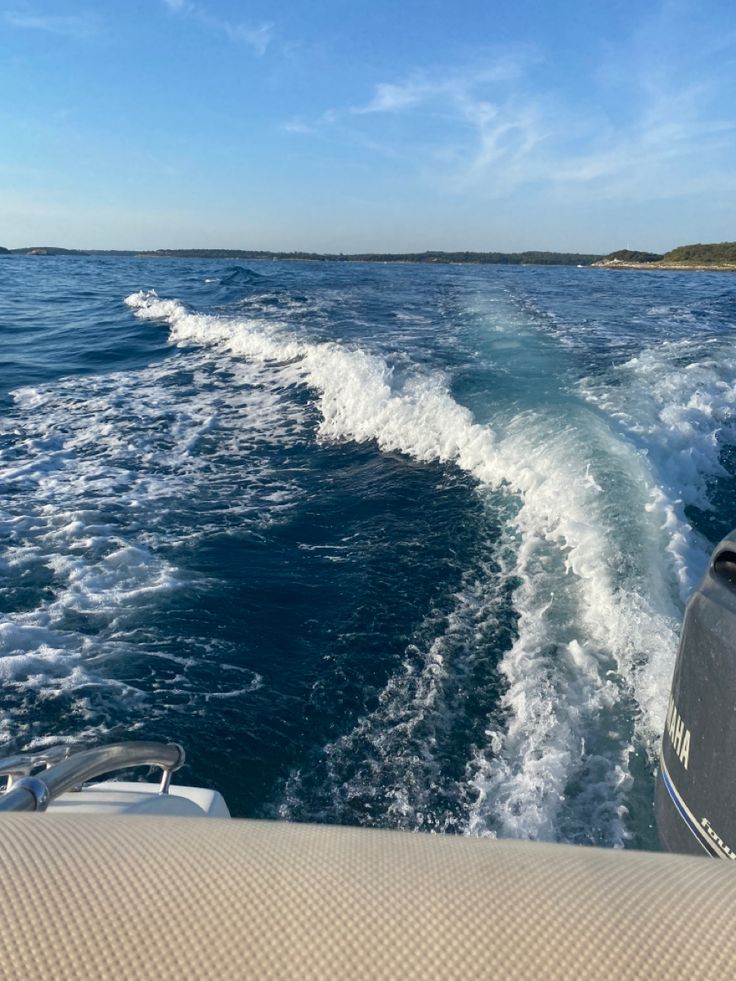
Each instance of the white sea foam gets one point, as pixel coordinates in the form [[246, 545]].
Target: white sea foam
[[598, 618], [95, 474], [675, 403]]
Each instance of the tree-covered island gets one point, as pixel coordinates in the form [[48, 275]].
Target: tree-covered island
[[720, 256]]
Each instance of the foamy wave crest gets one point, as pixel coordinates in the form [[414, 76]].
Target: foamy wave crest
[[675, 403], [592, 634], [261, 342], [357, 398], [597, 617]]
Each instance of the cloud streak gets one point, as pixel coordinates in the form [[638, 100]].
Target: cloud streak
[[66, 26], [257, 37], [489, 132], [471, 126]]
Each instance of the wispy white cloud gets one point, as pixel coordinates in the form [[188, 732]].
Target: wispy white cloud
[[68, 26], [390, 97], [470, 128], [421, 88], [489, 131], [297, 126], [258, 37]]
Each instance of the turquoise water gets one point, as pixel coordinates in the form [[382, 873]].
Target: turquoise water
[[392, 545]]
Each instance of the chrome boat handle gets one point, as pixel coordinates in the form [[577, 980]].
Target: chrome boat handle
[[35, 793]]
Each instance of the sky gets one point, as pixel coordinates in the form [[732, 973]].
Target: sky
[[342, 126]]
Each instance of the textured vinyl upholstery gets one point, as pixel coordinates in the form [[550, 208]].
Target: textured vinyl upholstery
[[140, 897]]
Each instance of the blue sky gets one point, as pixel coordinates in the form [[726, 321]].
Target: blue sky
[[346, 126]]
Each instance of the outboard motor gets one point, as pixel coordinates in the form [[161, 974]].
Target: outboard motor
[[696, 787]]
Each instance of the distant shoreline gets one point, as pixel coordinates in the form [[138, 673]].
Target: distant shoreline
[[667, 266], [532, 258], [624, 259]]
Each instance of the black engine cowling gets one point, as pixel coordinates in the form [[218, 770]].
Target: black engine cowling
[[696, 786]]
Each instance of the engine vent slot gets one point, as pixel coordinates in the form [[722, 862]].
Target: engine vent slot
[[724, 566]]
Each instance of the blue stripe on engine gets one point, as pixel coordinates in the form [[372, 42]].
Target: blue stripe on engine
[[695, 830]]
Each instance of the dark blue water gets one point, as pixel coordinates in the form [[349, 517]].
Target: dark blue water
[[401, 546]]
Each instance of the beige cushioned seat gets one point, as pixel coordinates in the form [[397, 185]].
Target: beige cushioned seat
[[140, 897]]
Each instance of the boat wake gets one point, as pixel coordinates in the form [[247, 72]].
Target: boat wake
[[597, 554]]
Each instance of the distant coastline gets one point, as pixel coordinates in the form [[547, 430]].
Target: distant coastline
[[717, 257], [474, 258]]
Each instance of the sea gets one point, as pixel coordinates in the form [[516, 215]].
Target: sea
[[393, 545]]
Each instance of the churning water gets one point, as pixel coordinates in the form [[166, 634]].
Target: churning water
[[393, 545]]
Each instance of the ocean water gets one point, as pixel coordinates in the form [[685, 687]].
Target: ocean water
[[391, 545]]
